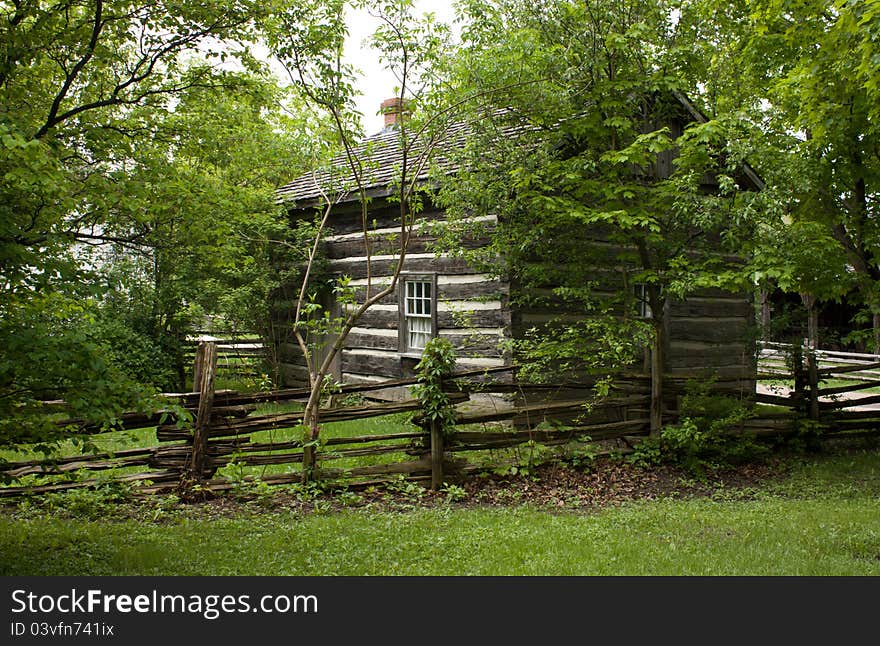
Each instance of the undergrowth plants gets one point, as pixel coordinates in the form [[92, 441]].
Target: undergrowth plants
[[702, 438], [437, 362]]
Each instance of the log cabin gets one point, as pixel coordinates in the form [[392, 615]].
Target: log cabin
[[709, 334]]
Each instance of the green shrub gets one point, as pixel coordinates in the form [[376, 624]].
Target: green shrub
[[702, 438], [438, 361]]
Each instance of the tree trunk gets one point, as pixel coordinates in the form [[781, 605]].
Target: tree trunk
[[765, 314], [809, 302], [657, 365], [876, 320]]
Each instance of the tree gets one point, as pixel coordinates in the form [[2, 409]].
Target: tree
[[94, 152], [588, 180], [313, 60], [196, 209], [805, 76]]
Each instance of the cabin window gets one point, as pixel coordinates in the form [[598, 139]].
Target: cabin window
[[643, 305], [418, 312]]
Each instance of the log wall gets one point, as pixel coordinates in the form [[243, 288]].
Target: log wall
[[472, 308], [710, 333]]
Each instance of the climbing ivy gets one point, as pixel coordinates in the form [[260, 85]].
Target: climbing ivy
[[437, 362]]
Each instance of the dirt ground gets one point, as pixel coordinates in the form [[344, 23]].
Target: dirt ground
[[606, 482]]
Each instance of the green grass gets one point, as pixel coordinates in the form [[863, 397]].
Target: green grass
[[822, 520], [146, 437]]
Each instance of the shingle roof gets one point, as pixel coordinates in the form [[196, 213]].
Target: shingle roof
[[382, 157]]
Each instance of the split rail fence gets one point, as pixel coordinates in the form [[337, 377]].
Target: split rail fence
[[493, 413], [237, 356], [222, 425], [838, 391]]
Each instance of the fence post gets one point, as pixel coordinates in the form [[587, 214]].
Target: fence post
[[436, 454], [207, 358], [813, 382], [797, 370]]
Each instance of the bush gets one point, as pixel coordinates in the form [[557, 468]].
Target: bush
[[702, 438]]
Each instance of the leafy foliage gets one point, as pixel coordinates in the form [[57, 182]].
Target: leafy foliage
[[437, 362], [140, 143], [703, 437], [595, 171]]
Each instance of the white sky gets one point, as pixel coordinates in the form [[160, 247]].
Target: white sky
[[377, 84]]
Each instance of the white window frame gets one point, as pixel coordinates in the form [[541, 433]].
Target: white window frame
[[418, 312]]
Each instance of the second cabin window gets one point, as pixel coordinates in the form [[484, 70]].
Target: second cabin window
[[418, 313], [643, 304]]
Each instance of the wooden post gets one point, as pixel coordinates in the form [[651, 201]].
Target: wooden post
[[198, 367], [208, 352], [656, 414], [436, 455], [797, 367], [813, 381], [308, 463]]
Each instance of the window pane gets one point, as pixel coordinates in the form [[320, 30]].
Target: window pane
[[418, 308], [419, 332]]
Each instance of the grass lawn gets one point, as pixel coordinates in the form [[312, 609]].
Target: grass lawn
[[822, 519]]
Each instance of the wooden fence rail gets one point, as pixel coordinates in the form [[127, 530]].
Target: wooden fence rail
[[838, 410], [219, 427]]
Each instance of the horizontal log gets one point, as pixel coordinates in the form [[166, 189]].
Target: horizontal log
[[372, 450], [381, 217], [384, 266], [191, 399], [709, 330], [563, 388], [474, 344], [363, 339], [554, 407], [389, 243], [414, 467], [123, 453], [849, 388], [361, 439], [851, 414], [287, 420], [845, 369], [265, 447], [711, 308], [259, 460], [465, 318], [376, 363], [778, 400], [256, 447], [91, 465], [463, 438], [155, 476], [849, 403], [705, 355]]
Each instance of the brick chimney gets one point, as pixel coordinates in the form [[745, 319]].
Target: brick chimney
[[394, 110]]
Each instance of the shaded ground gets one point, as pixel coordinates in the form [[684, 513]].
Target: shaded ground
[[603, 482]]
